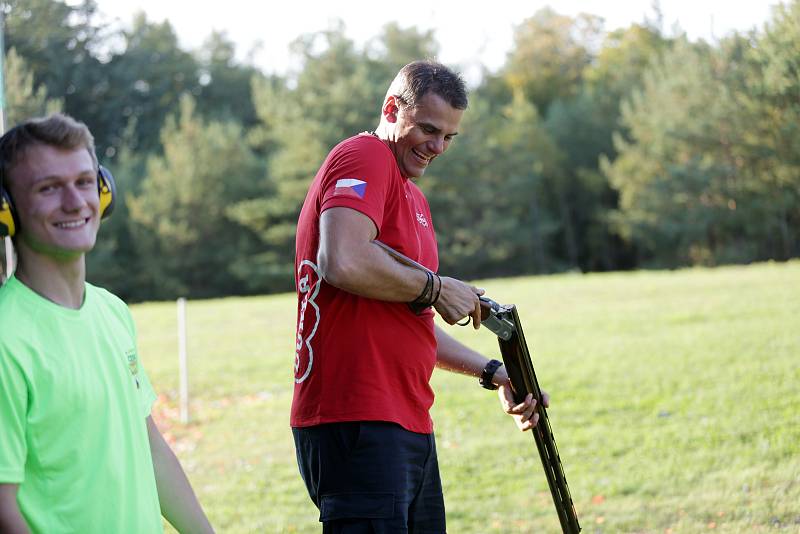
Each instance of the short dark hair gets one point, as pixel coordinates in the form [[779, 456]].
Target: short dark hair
[[418, 78], [57, 130]]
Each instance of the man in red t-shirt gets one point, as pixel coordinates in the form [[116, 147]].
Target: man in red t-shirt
[[364, 356]]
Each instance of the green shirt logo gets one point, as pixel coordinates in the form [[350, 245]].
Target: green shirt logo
[[133, 364]]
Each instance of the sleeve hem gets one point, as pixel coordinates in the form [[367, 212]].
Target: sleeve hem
[[147, 408], [337, 203], [12, 477]]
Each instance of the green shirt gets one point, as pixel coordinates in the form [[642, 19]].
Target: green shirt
[[73, 404]]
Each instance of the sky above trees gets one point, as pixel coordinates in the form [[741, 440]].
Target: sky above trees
[[470, 35]]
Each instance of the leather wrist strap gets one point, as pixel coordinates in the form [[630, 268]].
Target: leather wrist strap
[[424, 298], [488, 373], [430, 294]]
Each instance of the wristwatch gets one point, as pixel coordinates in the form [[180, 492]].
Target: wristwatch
[[488, 373]]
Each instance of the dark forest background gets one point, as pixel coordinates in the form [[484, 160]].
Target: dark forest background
[[587, 150]]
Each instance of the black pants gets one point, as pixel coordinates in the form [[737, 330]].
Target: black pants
[[371, 477]]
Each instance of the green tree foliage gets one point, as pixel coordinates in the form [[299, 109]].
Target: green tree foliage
[[56, 40], [550, 54], [659, 200], [23, 98], [577, 92], [145, 82], [685, 186], [186, 241], [114, 262], [225, 86], [585, 150], [774, 136], [122, 83], [617, 69], [582, 125], [486, 194], [294, 151], [396, 46]]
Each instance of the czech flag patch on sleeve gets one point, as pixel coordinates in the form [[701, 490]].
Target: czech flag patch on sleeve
[[350, 187]]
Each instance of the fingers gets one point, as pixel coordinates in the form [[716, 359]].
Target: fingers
[[476, 312], [486, 310], [501, 378], [524, 413], [529, 424], [476, 315], [529, 411], [458, 300], [524, 408], [506, 397], [529, 417]]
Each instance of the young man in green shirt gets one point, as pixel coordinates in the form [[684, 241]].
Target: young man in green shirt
[[79, 451]]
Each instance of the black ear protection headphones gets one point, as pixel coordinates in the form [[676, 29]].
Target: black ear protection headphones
[[106, 188]]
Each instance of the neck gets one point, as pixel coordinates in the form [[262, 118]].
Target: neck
[[383, 132], [58, 280]]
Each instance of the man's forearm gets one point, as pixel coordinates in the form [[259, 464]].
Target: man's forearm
[[349, 259], [11, 520], [179, 505], [12, 523], [367, 271], [457, 357]]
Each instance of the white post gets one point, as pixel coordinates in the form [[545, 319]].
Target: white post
[[9, 246], [9, 257], [183, 368]]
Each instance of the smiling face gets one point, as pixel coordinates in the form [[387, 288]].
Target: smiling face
[[56, 199], [420, 132]]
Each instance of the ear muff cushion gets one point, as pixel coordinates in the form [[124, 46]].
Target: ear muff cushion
[[108, 191], [8, 220]]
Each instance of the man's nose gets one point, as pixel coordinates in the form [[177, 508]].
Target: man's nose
[[72, 198], [436, 145]]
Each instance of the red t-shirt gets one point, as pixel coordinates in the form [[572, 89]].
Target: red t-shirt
[[360, 359]]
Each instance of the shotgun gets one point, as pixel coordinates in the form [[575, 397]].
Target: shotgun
[[504, 322]]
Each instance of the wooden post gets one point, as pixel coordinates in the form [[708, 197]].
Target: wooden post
[[182, 364]]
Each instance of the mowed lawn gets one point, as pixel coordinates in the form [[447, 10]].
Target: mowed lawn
[[675, 403]]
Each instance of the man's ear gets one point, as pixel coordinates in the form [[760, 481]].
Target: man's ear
[[390, 109]]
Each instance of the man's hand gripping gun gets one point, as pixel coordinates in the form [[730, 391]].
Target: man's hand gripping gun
[[504, 322]]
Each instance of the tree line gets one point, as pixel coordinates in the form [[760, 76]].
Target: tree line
[[586, 150]]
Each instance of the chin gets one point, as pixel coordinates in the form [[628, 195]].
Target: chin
[[64, 251], [415, 172]]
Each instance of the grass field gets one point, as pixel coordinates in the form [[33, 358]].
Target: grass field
[[675, 403]]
